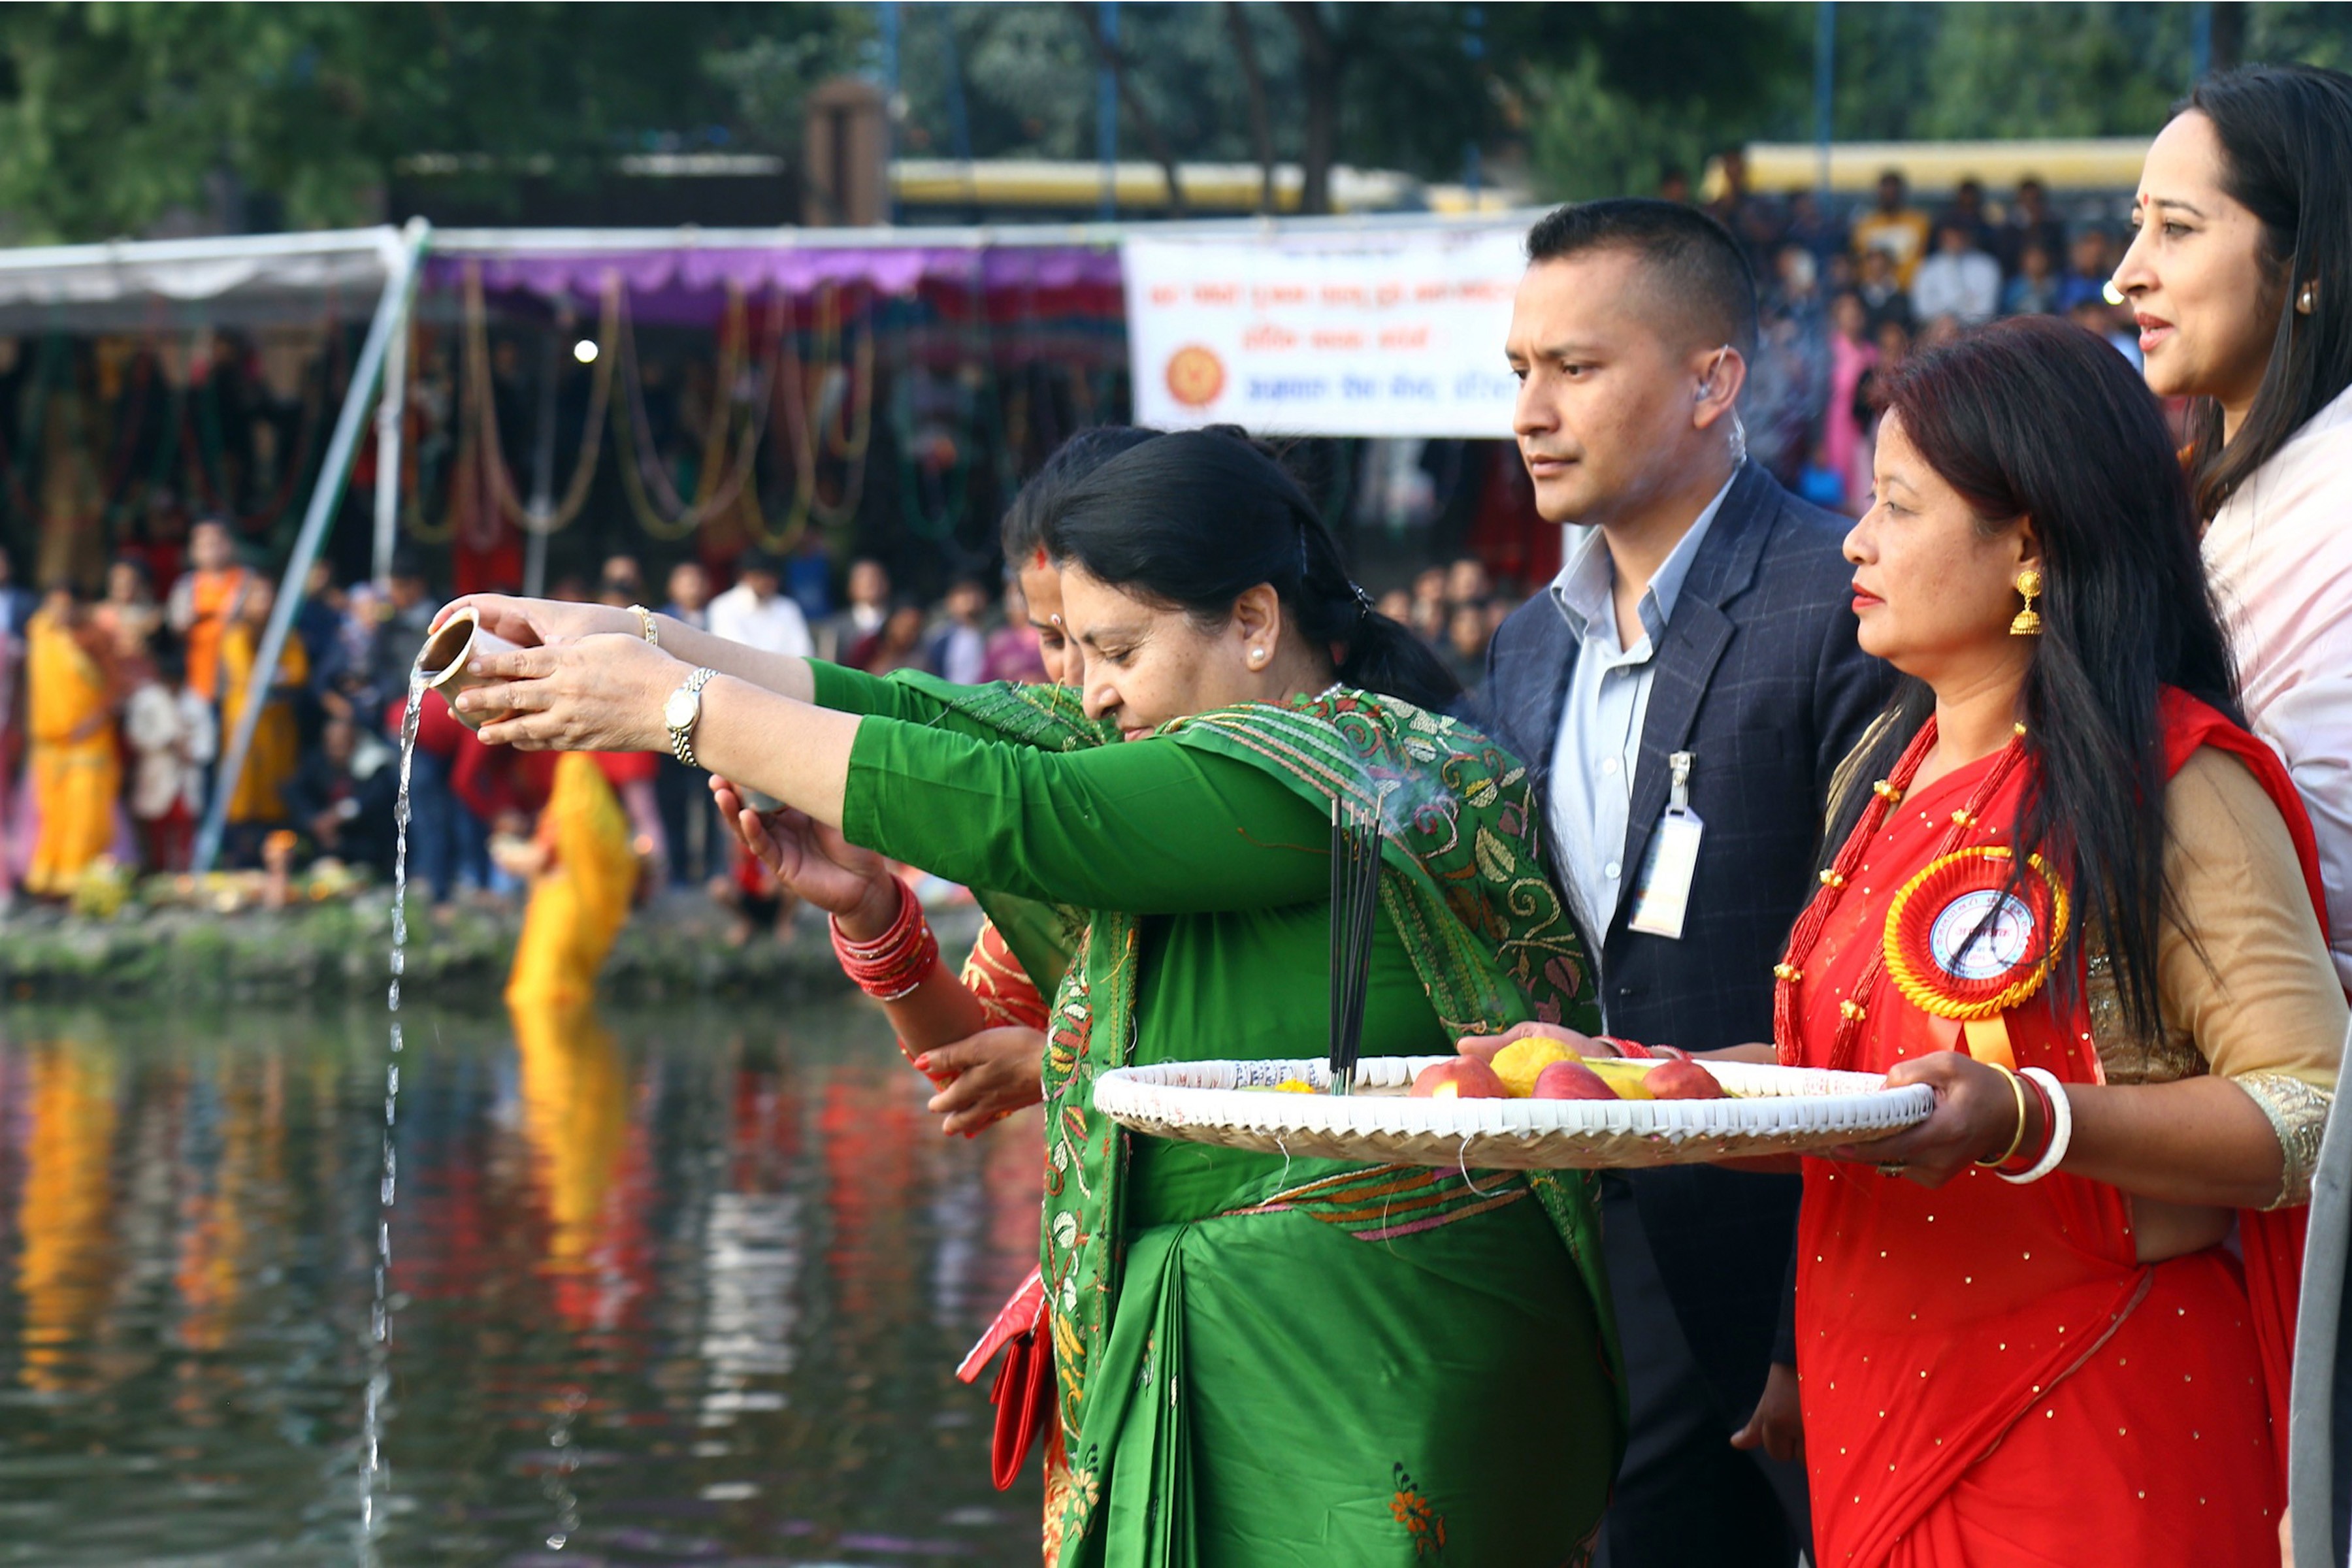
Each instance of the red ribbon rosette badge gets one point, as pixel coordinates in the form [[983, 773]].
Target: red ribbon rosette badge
[[1962, 943]]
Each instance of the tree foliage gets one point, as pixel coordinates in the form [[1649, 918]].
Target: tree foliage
[[113, 117]]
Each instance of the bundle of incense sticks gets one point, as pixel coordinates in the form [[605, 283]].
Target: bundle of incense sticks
[[1356, 837]]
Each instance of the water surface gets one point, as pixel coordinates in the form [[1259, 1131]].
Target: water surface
[[685, 1287]]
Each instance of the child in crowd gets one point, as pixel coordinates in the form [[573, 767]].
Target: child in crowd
[[171, 738]]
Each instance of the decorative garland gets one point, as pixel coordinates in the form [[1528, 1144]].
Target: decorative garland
[[853, 440], [675, 517], [499, 484], [203, 454]]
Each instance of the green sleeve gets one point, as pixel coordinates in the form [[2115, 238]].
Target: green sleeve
[[1145, 828], [1045, 716], [849, 690]]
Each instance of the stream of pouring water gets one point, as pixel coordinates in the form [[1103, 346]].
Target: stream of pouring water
[[379, 1349]]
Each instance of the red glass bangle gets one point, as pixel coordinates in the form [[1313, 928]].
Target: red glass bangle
[[892, 966]]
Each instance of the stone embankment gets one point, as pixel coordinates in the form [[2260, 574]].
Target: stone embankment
[[678, 947]]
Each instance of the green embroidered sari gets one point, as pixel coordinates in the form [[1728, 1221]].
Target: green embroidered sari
[[1264, 1361]]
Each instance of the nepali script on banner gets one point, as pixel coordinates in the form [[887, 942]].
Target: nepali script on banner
[[1358, 334]]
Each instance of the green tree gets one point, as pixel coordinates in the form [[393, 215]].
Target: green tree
[[110, 116], [1610, 107]]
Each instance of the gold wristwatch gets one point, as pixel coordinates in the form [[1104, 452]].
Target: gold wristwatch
[[681, 712]]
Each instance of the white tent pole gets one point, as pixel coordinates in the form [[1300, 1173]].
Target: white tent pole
[[391, 315], [389, 411]]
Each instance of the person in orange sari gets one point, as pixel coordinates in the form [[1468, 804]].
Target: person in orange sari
[[584, 873], [76, 770], [2069, 891], [204, 603], [276, 752]]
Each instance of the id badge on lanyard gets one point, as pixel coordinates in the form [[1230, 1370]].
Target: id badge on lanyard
[[1661, 891]]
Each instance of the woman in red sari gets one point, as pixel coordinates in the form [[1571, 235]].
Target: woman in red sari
[[2069, 891]]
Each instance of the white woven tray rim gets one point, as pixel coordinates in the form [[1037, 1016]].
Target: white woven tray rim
[[1806, 1102]]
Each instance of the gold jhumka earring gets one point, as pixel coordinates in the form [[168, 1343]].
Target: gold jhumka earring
[[2028, 622]]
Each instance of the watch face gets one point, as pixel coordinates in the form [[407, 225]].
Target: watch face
[[679, 709]]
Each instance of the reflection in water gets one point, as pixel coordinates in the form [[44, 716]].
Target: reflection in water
[[66, 1205], [673, 1289]]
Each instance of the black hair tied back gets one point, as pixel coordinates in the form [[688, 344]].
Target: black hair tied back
[[1196, 519]]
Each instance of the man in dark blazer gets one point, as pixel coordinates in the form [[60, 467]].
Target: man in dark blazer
[[1696, 659]]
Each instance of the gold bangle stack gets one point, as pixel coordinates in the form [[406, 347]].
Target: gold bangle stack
[[2017, 1087]]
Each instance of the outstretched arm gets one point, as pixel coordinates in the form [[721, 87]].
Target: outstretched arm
[[536, 623], [605, 693], [1151, 827]]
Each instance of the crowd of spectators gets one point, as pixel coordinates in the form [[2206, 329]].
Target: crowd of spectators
[[1846, 295], [115, 713]]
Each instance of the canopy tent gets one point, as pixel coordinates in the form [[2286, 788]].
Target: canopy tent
[[244, 280]]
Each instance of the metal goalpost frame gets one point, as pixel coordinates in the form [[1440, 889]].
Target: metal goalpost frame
[[403, 265]]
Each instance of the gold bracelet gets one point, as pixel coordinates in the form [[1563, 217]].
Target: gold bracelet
[[645, 626], [2017, 1087]]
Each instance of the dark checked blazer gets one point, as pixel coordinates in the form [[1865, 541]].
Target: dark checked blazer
[[1758, 676]]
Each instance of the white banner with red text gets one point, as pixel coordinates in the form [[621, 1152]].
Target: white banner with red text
[[1396, 333]]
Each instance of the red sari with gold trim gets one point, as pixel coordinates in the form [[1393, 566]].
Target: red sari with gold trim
[[1991, 1377]]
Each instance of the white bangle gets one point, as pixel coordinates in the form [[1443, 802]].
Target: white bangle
[[2061, 1129]]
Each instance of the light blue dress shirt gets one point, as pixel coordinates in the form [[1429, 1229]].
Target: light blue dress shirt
[[1599, 741]]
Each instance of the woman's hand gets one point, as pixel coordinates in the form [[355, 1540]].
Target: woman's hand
[[599, 694], [1974, 1119], [536, 623], [1484, 1047], [805, 856], [1779, 1425], [997, 1072]]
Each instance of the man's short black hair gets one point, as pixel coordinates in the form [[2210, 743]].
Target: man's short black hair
[[1697, 268]]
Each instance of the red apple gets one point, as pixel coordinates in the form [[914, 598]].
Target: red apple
[[1464, 1078], [1684, 1079], [1571, 1081]]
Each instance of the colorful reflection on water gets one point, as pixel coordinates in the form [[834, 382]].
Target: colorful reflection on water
[[668, 1288]]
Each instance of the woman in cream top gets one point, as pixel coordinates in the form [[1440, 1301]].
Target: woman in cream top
[[2241, 281]]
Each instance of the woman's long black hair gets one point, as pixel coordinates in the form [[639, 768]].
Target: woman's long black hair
[[2035, 417], [1196, 519], [2286, 156], [1070, 464]]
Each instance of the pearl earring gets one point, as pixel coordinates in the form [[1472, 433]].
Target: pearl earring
[[1257, 655], [2305, 301]]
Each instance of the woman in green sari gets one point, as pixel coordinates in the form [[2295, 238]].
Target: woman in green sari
[[1260, 1361]]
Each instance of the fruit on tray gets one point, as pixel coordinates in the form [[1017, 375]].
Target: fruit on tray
[[1571, 1079], [1459, 1077], [1518, 1062], [1683, 1080], [1544, 1070], [1629, 1079]]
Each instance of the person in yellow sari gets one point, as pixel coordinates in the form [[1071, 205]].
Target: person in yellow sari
[[76, 771], [584, 873], [276, 754]]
